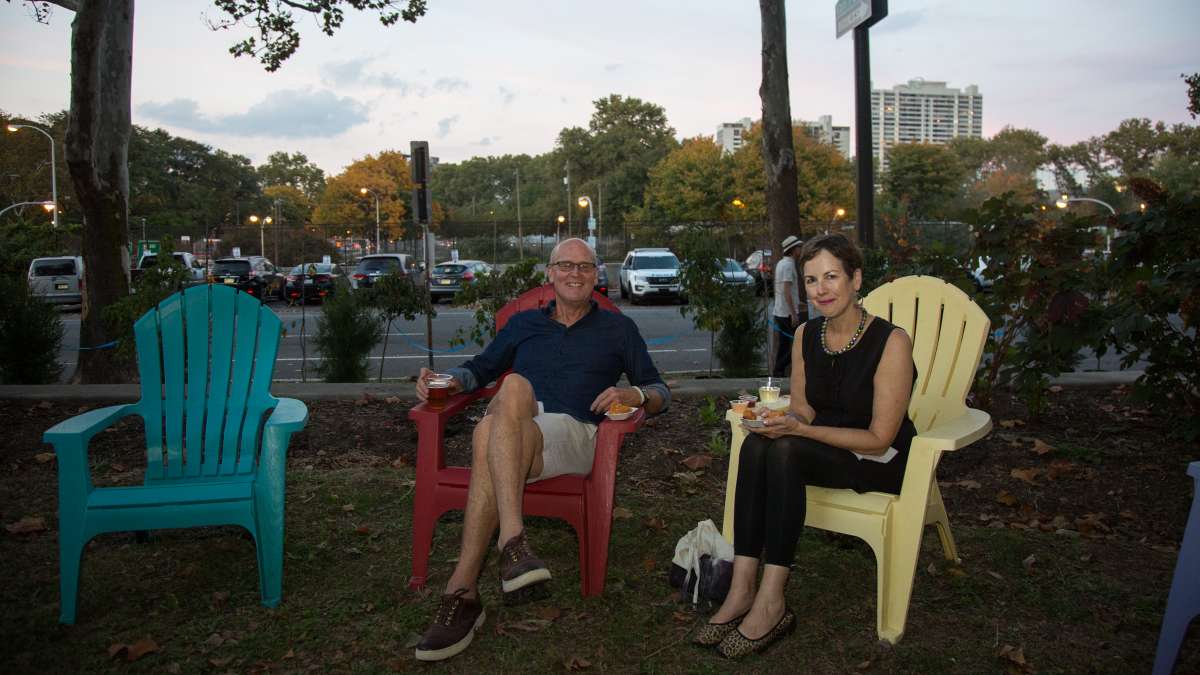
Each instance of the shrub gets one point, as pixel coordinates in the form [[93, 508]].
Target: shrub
[[1155, 277], [489, 294], [150, 287], [30, 335], [346, 333]]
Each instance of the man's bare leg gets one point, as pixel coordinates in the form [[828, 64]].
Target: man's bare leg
[[481, 514], [514, 447]]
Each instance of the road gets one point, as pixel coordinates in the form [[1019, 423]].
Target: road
[[674, 344]]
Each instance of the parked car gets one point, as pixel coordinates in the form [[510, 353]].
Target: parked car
[[449, 278], [371, 267], [314, 281], [650, 273], [253, 274], [761, 267], [196, 272], [732, 274], [57, 280], [601, 286]]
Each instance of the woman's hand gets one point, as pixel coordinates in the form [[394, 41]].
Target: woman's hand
[[784, 425]]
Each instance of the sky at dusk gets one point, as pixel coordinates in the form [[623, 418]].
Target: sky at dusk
[[493, 78]]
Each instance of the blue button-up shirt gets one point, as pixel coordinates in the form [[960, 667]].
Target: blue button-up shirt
[[568, 366]]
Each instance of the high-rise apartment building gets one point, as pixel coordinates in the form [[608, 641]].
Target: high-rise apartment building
[[923, 112], [824, 131], [729, 134]]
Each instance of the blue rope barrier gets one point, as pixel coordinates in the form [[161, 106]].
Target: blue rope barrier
[[106, 345], [423, 348], [654, 342], [775, 327]]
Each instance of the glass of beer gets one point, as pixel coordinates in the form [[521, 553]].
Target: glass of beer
[[768, 390], [439, 390]]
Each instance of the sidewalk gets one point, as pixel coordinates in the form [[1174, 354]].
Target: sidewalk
[[321, 391]]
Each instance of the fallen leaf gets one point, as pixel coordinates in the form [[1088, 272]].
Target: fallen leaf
[[655, 522], [1009, 424], [649, 564], [1040, 447], [1015, 656], [863, 665], [996, 575], [219, 598], [27, 525], [291, 653], [348, 507], [548, 613], [681, 617], [574, 663], [220, 663], [622, 513], [399, 463], [43, 457], [214, 640], [697, 461], [362, 530], [134, 651], [968, 484], [45, 405], [392, 400], [119, 468], [956, 572], [1027, 475], [1006, 499], [687, 476], [933, 570], [1029, 562], [1054, 389]]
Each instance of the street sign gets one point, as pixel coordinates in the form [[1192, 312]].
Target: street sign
[[851, 14]]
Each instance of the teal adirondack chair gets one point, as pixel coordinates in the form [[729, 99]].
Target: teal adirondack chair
[[205, 357]]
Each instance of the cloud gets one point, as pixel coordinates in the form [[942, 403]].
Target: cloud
[[899, 21], [506, 95], [450, 84], [291, 113], [487, 140], [612, 67], [445, 124], [354, 73]]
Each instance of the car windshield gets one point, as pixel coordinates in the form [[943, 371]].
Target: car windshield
[[54, 268], [732, 265], [231, 267], [655, 262], [312, 268], [386, 265], [449, 269]]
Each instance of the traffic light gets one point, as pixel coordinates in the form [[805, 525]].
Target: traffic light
[[419, 161]]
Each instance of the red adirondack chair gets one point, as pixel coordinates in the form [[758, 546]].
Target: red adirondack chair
[[586, 502]]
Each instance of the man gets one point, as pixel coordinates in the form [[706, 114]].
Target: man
[[788, 312], [566, 359]]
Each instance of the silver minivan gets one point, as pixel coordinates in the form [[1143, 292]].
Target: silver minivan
[[57, 280]]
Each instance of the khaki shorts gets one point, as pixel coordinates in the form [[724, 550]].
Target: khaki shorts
[[568, 445]]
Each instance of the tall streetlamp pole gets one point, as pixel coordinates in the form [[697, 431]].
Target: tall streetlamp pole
[[49, 206], [275, 229], [558, 230], [1066, 200], [520, 234], [53, 167], [262, 235], [365, 192], [591, 221]]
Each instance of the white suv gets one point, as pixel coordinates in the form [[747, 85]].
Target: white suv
[[650, 273]]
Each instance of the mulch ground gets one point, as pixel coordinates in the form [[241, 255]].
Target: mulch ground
[[1094, 466]]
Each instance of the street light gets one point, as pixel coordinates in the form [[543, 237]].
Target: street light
[[591, 223], [49, 206], [364, 192], [558, 230], [262, 238], [53, 168], [1066, 200]]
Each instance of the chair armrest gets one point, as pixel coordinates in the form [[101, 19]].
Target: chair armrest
[[289, 416], [423, 414], [957, 433], [81, 428]]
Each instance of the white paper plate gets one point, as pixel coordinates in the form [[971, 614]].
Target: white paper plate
[[620, 416]]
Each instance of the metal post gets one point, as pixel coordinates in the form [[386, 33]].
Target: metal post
[[567, 180], [53, 165], [376, 221], [520, 234], [862, 123]]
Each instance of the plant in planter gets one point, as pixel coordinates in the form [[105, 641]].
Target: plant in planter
[[346, 333], [732, 315]]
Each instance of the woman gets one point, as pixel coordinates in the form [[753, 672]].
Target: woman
[[847, 427]]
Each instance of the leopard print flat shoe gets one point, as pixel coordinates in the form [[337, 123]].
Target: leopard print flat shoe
[[711, 634], [735, 645]]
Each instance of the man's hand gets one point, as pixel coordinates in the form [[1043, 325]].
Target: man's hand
[[626, 395], [423, 385]]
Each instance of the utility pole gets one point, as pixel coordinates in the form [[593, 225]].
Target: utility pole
[[567, 182], [520, 235]]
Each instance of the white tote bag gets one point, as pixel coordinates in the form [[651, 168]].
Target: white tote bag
[[705, 539]]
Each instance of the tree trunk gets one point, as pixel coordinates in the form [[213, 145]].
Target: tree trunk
[[97, 151], [779, 156]]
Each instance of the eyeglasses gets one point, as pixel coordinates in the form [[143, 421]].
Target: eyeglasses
[[568, 266]]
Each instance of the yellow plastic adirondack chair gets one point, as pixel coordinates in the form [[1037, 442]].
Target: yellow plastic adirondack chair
[[948, 331], [216, 439]]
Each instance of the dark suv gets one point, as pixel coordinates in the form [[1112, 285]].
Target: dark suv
[[371, 267], [253, 274]]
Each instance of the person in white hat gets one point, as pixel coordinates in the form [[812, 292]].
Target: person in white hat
[[788, 312]]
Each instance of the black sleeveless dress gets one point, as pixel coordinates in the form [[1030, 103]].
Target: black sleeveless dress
[[841, 389]]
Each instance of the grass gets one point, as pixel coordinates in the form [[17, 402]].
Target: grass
[[346, 607]]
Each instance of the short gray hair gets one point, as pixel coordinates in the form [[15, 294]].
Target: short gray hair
[[554, 251]]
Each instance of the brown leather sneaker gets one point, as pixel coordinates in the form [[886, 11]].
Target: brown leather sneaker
[[454, 625], [520, 570]]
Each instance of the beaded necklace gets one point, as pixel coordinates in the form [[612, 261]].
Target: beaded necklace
[[862, 322]]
